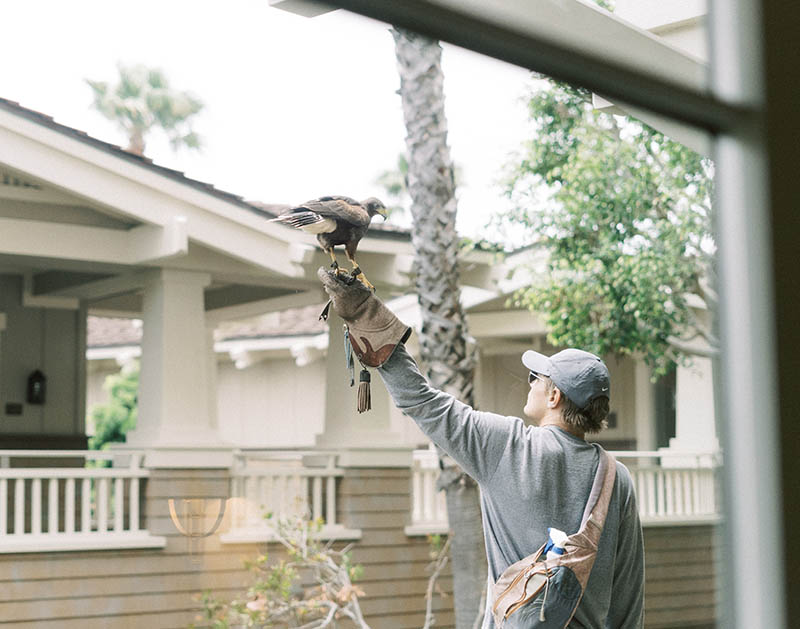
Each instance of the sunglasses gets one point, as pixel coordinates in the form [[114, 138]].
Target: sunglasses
[[533, 376]]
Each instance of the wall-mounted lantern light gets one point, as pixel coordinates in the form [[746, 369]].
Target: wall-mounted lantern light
[[37, 388]]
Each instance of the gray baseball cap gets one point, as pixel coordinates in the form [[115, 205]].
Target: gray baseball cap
[[579, 375]]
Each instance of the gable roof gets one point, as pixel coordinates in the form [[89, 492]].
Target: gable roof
[[267, 210]]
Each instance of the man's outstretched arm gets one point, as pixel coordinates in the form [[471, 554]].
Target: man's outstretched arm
[[475, 440]]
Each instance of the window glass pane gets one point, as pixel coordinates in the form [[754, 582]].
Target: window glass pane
[[205, 348]]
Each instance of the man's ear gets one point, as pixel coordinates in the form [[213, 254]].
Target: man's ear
[[554, 398]]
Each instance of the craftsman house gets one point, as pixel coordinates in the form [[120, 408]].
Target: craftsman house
[[106, 257]]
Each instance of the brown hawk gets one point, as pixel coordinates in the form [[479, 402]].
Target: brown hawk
[[336, 220]]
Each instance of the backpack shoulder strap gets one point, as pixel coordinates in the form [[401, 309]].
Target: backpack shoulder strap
[[603, 485]]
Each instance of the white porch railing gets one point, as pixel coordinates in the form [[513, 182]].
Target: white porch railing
[[284, 484], [671, 489], [674, 487], [71, 508], [428, 506]]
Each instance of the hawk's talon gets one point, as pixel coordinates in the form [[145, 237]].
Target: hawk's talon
[[363, 279]]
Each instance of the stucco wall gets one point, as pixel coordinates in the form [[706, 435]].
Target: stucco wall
[[52, 341], [271, 404]]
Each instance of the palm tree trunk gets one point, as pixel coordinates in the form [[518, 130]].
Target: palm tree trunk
[[136, 141], [445, 352]]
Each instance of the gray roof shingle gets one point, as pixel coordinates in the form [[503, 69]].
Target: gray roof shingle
[[119, 332]]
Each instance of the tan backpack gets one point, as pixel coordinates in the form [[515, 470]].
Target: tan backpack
[[537, 592]]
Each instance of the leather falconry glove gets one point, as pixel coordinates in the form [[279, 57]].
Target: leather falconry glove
[[373, 329]]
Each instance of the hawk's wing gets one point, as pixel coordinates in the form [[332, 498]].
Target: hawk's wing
[[338, 208]]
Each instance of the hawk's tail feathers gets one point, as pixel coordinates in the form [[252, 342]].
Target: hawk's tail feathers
[[297, 219]]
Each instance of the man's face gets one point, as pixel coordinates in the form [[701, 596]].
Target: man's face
[[536, 404]]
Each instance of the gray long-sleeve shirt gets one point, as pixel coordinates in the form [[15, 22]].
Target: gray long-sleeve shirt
[[532, 478]]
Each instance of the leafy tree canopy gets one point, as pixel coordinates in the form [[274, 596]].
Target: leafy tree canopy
[[113, 420], [142, 100], [624, 214]]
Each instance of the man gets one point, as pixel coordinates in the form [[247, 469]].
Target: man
[[531, 477]]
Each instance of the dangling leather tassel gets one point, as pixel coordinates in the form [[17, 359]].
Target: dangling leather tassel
[[364, 396]]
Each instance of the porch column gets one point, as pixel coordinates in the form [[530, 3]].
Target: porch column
[[363, 439], [177, 413], [644, 407], [695, 428]]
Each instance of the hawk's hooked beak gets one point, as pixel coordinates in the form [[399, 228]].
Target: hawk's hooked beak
[[383, 214]]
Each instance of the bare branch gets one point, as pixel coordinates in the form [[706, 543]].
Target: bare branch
[[442, 557], [693, 350], [708, 293], [324, 622], [281, 594]]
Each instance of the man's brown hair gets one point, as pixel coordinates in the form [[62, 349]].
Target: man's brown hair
[[593, 418]]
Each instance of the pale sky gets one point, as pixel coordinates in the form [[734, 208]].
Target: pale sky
[[295, 107]]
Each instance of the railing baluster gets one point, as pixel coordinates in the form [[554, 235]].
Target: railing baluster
[[697, 492], [252, 498], [19, 507], [3, 506], [69, 511], [52, 506], [660, 509], [289, 495], [234, 505], [302, 482], [36, 506], [261, 493], [119, 495], [133, 505], [316, 504], [416, 493], [708, 499], [687, 491], [102, 505], [270, 502], [283, 490], [427, 508], [640, 487], [292, 493], [330, 501], [86, 505], [652, 496]]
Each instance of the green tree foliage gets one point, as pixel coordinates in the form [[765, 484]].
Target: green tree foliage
[[395, 184], [142, 100], [113, 420], [624, 215]]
